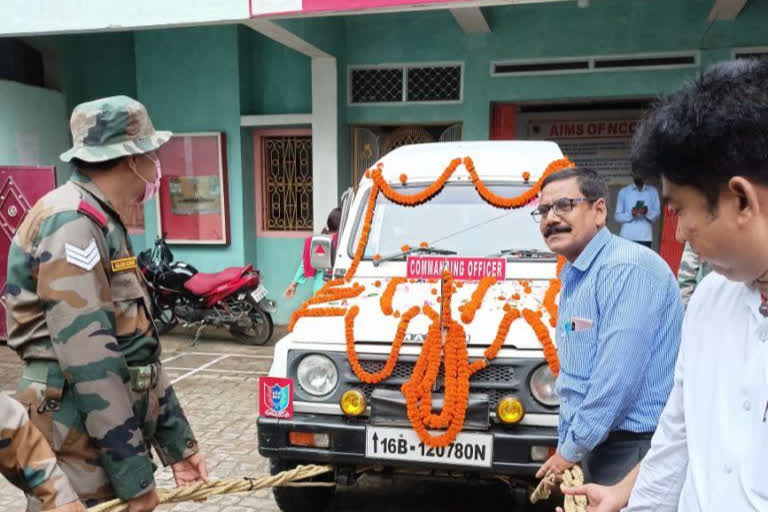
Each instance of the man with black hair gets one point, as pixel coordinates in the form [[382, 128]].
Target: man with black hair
[[709, 144], [617, 335], [637, 208]]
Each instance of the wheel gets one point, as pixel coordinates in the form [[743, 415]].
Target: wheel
[[260, 330], [165, 319], [301, 499]]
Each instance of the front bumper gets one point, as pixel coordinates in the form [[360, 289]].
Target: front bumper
[[511, 445]]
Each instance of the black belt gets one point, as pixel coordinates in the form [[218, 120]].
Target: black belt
[[626, 435]]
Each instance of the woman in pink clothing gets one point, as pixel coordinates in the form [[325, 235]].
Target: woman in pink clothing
[[305, 270]]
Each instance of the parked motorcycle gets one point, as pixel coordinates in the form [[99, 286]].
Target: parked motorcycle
[[233, 298]]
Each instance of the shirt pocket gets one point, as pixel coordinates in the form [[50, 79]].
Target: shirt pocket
[[580, 353], [129, 302]]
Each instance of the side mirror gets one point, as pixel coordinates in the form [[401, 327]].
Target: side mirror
[[321, 252]]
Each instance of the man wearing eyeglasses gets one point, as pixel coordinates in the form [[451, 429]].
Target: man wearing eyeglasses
[[618, 332]]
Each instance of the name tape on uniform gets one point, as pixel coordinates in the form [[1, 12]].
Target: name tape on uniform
[[123, 264]]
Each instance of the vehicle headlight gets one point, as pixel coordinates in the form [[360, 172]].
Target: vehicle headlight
[[543, 386], [317, 375]]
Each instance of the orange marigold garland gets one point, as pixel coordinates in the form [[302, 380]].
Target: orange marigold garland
[[417, 389], [336, 294], [542, 332], [389, 366], [363, 234], [552, 292], [469, 309], [418, 197], [299, 313], [389, 293], [403, 179], [520, 200], [447, 293]]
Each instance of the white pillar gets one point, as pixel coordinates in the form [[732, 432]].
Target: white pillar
[[324, 139]]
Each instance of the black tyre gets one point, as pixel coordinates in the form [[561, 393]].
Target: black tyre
[[165, 319], [260, 330], [301, 499]]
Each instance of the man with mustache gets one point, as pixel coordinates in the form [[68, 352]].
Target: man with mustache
[[709, 144], [618, 332]]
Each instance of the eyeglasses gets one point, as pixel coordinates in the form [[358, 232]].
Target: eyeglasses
[[561, 207]]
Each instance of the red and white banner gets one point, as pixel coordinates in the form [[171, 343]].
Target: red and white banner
[[461, 269]]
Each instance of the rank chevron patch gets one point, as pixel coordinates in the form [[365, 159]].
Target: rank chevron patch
[[84, 258]]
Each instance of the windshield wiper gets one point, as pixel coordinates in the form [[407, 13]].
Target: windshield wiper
[[533, 254], [414, 250]]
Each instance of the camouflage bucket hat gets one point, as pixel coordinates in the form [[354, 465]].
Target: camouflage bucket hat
[[110, 128]]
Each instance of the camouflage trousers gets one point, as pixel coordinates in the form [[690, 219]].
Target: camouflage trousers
[[51, 407]]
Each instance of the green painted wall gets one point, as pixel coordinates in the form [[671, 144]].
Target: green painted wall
[[204, 78], [281, 78], [84, 67], [189, 81], [31, 125], [559, 29]]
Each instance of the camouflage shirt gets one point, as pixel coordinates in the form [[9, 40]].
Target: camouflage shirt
[[691, 271], [29, 463], [74, 295]]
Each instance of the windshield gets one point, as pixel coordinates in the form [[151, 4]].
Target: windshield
[[456, 219]]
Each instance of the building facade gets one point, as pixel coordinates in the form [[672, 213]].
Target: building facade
[[305, 100]]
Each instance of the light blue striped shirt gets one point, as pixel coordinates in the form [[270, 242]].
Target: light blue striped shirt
[[618, 335]]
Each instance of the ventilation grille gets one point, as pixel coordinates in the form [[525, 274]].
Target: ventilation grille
[[751, 53], [406, 84], [377, 85], [591, 64]]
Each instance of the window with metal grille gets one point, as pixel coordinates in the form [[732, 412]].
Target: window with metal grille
[[287, 183], [751, 53], [377, 85], [406, 84], [595, 64], [434, 83]]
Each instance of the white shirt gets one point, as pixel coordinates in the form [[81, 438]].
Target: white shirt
[[640, 228], [710, 451]]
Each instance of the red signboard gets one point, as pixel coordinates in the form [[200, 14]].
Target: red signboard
[[583, 129], [462, 269], [276, 398], [20, 188]]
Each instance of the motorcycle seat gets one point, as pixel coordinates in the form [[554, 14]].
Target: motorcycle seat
[[202, 283]]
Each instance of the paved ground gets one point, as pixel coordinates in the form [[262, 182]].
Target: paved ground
[[217, 384]]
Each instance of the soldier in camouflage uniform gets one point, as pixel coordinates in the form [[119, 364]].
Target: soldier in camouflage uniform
[[29, 463], [78, 314], [688, 273]]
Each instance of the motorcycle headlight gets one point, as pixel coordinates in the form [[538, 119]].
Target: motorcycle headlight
[[543, 386], [317, 375]]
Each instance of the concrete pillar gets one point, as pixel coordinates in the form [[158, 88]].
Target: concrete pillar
[[324, 139]]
